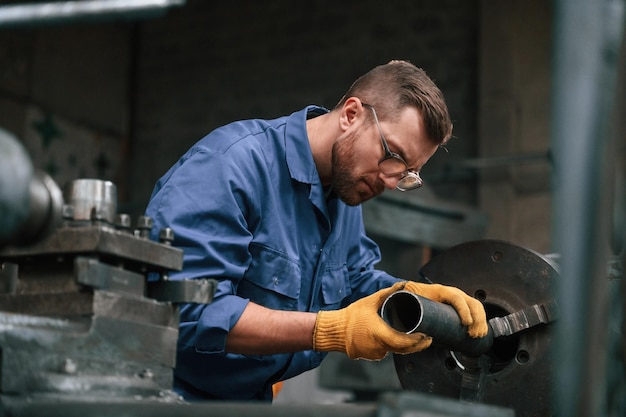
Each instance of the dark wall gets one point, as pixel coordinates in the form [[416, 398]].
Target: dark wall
[[213, 62], [64, 92]]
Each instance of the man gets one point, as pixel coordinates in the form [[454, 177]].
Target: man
[[271, 209]]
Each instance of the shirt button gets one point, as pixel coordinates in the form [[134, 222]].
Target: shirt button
[[275, 281]]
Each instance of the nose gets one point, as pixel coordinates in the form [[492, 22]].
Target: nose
[[390, 182]]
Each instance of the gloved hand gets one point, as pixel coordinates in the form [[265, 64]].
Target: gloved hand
[[360, 332], [470, 310]]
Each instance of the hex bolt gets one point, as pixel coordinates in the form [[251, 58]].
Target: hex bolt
[[144, 225], [166, 236], [122, 222]]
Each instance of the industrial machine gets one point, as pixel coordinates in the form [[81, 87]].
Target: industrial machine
[[79, 317], [86, 309], [512, 365]]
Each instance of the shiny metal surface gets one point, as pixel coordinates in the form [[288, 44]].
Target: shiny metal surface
[[136, 253], [92, 199], [57, 12], [16, 172], [30, 201], [524, 319], [508, 279]]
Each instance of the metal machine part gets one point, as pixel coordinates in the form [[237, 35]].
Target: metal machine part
[[79, 317], [514, 284], [30, 201], [92, 200], [524, 319]]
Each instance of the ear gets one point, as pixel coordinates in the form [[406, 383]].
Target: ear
[[351, 110]]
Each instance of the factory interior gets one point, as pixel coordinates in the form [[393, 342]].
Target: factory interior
[[525, 208]]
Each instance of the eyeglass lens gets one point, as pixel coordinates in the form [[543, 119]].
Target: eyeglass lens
[[392, 166], [410, 182]]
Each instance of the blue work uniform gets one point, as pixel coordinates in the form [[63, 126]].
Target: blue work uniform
[[248, 209]]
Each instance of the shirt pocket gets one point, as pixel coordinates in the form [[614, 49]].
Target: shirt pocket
[[335, 286], [272, 280]]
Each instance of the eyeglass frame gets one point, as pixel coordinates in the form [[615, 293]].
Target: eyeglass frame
[[408, 173]]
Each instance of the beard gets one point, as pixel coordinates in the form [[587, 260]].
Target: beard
[[344, 183]]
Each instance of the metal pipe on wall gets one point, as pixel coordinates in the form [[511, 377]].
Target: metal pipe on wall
[[62, 12], [587, 39]]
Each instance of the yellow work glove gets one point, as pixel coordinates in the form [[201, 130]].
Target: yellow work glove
[[360, 332], [470, 310]]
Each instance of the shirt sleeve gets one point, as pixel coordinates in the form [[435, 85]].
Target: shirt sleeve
[[201, 199]]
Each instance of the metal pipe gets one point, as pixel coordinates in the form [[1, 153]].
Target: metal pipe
[[92, 199], [407, 312], [68, 11]]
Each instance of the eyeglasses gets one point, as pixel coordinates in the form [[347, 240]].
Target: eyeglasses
[[393, 165]]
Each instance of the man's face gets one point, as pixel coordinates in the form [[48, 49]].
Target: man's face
[[356, 176], [352, 187]]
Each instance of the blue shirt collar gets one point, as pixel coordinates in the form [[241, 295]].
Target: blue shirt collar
[[300, 161]]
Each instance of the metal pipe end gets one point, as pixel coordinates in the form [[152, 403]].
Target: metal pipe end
[[402, 311]]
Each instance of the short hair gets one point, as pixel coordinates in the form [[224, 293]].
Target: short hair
[[393, 86]]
